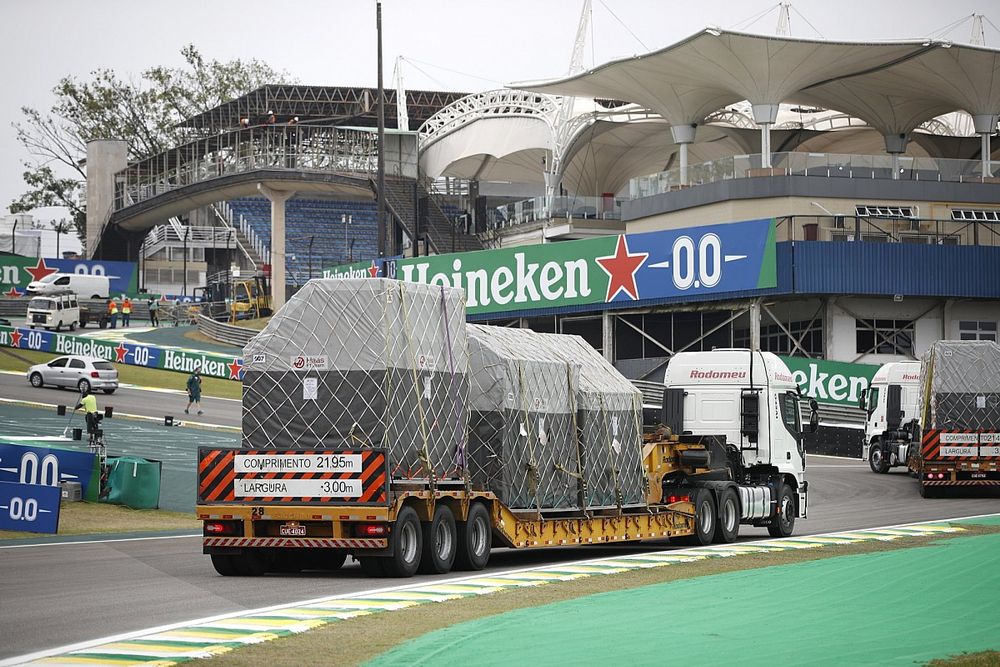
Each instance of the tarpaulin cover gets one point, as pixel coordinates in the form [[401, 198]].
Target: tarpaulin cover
[[363, 363], [962, 390]]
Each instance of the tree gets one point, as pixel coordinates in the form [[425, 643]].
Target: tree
[[145, 113]]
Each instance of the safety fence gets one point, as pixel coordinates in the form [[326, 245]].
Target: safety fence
[[225, 333]]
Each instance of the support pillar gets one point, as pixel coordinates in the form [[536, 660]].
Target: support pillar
[[608, 336], [765, 116], [683, 135], [277, 199], [105, 158], [985, 125], [755, 325], [895, 145]]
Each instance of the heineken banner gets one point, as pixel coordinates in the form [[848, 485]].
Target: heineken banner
[[356, 270], [831, 381], [17, 272], [148, 356], [622, 269]]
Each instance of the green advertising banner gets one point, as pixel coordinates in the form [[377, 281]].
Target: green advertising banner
[[134, 354], [620, 269], [835, 382]]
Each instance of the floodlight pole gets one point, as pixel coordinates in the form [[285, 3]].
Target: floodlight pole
[[381, 136]]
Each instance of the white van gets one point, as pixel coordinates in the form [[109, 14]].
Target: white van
[[53, 311], [87, 286]]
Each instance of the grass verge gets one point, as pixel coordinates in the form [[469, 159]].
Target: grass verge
[[20, 360], [97, 518], [362, 638], [256, 324], [983, 659]]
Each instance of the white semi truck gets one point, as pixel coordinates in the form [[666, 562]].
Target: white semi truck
[[745, 404], [891, 402]]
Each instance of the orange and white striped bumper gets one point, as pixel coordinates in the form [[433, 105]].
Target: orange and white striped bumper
[[311, 542]]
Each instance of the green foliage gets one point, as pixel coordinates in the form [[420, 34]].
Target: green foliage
[[145, 113]]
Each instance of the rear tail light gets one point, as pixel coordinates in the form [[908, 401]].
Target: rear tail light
[[371, 530], [95, 374], [678, 499], [222, 528]]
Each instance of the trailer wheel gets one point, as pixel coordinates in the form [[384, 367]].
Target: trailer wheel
[[877, 460], [439, 542], [224, 565], [784, 523], [728, 525], [474, 539], [251, 563], [407, 545], [704, 519]]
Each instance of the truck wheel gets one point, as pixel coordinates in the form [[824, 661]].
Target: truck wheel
[[704, 519], [36, 380], [728, 525], [439, 542], [474, 539], [783, 524], [224, 565], [407, 545], [877, 460]]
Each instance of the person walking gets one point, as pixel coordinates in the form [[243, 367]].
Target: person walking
[[113, 312], [154, 311], [126, 311], [194, 392]]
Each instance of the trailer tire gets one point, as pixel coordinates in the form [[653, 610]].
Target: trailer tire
[[407, 545], [783, 524], [251, 563], [224, 565], [727, 524], [475, 539], [705, 519], [877, 460], [439, 542]]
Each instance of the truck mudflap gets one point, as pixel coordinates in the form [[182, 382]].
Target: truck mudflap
[[301, 477]]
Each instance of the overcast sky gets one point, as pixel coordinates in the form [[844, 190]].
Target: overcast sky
[[449, 44]]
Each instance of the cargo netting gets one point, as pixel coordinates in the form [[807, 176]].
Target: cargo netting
[[960, 386], [553, 424], [364, 363]]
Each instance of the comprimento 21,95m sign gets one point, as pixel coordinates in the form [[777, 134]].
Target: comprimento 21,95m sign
[[617, 269], [148, 356]]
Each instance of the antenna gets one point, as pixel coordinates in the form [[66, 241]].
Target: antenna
[[784, 20], [402, 115], [978, 36]]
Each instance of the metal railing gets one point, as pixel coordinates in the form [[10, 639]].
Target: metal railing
[[823, 165], [563, 208], [225, 333], [224, 213], [274, 147], [256, 242], [870, 229]]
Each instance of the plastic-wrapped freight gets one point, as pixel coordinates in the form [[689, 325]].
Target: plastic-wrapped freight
[[522, 431], [363, 363], [964, 386]]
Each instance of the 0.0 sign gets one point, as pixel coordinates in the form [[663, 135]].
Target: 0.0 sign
[[701, 267], [22, 509]]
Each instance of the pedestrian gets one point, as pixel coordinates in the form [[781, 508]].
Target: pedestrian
[[154, 308], [126, 311], [194, 392], [113, 312]]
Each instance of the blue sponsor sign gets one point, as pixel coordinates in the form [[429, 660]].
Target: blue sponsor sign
[[48, 466], [29, 507], [121, 275]]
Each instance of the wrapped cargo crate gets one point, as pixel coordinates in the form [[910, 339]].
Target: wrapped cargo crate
[[960, 386], [522, 430], [363, 363]]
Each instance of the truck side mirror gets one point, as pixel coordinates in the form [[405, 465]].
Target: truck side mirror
[[894, 407], [750, 415], [863, 401], [673, 410], [813, 415]]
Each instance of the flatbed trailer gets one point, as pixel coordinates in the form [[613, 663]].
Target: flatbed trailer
[[396, 527]]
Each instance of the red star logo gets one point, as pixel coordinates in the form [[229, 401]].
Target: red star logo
[[373, 270], [121, 352], [15, 338], [40, 270], [235, 369], [621, 268], [163, 298], [12, 292]]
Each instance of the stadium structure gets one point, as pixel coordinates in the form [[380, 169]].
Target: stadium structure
[[869, 163]]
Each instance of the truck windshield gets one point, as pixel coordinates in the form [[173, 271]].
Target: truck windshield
[[40, 304]]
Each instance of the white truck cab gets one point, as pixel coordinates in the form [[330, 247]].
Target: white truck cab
[[890, 400], [751, 401]]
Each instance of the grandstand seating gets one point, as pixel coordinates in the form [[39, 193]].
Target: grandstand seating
[[319, 219]]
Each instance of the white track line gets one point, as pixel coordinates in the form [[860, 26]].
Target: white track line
[[17, 660], [105, 541], [126, 415]]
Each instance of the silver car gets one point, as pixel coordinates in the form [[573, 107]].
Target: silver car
[[77, 372]]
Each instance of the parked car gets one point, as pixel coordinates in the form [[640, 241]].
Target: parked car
[[77, 372], [53, 311], [94, 287]]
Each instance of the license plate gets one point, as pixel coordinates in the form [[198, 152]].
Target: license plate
[[38, 318], [292, 530], [978, 475]]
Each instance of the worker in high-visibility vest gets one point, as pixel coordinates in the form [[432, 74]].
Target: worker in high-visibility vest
[[126, 311], [113, 312], [89, 404]]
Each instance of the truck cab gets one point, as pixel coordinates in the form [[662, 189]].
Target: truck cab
[[750, 403], [890, 401]]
